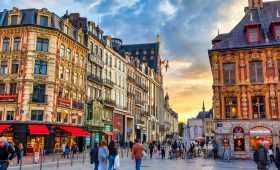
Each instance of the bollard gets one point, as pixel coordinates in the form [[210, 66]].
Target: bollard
[[53, 155], [41, 161], [57, 164], [122, 152], [21, 159], [33, 157], [72, 156], [44, 153], [77, 155]]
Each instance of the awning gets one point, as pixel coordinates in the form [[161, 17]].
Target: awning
[[75, 131], [109, 133], [3, 127], [38, 129]]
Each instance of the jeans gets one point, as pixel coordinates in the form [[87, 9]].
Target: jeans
[[138, 163], [3, 166], [96, 165], [111, 162]]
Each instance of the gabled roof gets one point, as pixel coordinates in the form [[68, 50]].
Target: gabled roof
[[237, 38]]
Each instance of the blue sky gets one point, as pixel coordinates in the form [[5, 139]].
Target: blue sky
[[186, 28]]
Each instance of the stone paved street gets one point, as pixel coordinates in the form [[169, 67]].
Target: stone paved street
[[155, 164]]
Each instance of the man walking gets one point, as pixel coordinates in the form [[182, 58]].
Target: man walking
[[262, 157], [136, 154], [7, 153]]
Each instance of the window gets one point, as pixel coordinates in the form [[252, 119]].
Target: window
[[62, 50], [2, 88], [110, 62], [152, 57], [152, 52], [277, 32], [16, 44], [96, 49], [14, 19], [13, 88], [79, 119], [4, 67], [75, 78], [89, 68], [120, 65], [256, 72], [61, 72], [81, 61], [42, 44], [80, 38], [91, 47], [44, 21], [144, 52], [229, 73], [81, 80], [230, 107], [60, 91], [66, 94], [39, 91], [37, 115], [1, 116], [58, 117], [116, 63], [258, 104], [65, 119], [144, 58], [66, 29], [137, 52], [67, 74], [73, 121], [68, 54], [77, 58], [40, 67], [15, 65], [6, 44], [10, 115], [253, 34], [106, 59]]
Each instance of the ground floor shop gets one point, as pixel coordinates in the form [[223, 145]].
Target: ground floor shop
[[43, 137], [242, 138]]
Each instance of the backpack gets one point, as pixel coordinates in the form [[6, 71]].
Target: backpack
[[256, 156], [103, 155]]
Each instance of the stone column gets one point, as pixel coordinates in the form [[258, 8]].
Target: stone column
[[247, 145]]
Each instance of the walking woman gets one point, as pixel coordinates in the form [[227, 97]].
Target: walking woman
[[112, 154], [19, 152], [103, 156], [94, 155], [151, 147]]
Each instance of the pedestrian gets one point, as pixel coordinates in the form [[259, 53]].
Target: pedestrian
[[271, 154], [112, 154], [136, 154], [94, 155], [277, 159], [7, 153], [261, 156], [74, 149], [277, 148], [19, 152], [146, 148], [151, 148], [162, 150], [103, 156], [67, 150], [63, 149]]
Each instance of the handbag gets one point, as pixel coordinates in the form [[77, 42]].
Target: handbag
[[117, 162], [144, 154]]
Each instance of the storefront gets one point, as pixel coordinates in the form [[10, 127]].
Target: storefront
[[108, 133], [119, 127], [258, 135], [238, 137], [36, 138]]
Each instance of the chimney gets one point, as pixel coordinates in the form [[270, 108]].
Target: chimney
[[66, 12], [255, 4]]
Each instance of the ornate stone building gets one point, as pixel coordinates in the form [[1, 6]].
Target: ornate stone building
[[245, 65], [42, 79]]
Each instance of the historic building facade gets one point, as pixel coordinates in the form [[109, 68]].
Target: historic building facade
[[42, 79], [245, 67]]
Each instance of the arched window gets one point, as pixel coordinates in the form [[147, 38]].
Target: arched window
[[239, 142]]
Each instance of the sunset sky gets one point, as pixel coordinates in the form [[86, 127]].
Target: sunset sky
[[186, 28]]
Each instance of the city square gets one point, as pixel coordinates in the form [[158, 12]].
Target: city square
[[137, 84]]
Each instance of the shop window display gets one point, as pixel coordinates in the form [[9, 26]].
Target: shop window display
[[239, 142], [258, 135]]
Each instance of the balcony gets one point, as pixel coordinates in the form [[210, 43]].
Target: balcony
[[108, 83], [77, 105], [129, 94], [8, 97], [96, 59], [145, 113], [94, 78], [144, 87], [121, 107], [95, 123], [65, 102], [38, 99], [109, 102], [141, 122], [131, 79]]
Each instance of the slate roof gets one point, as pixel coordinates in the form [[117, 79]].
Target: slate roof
[[29, 17], [237, 37], [152, 63]]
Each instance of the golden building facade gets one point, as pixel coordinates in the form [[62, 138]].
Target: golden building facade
[[245, 67]]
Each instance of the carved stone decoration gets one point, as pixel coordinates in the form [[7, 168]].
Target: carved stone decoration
[[216, 103], [215, 70], [228, 58], [272, 96], [255, 55], [270, 64]]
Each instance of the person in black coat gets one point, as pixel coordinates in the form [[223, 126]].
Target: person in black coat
[[19, 153]]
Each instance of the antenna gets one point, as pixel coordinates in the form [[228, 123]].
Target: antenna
[[115, 30], [98, 21]]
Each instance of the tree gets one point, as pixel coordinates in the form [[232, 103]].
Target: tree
[[181, 128]]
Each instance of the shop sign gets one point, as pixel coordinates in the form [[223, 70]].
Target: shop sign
[[138, 127], [219, 125], [97, 137], [88, 141], [260, 132], [107, 128]]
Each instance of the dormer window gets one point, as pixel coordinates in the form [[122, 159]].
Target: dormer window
[[14, 19], [44, 21], [66, 29], [253, 33], [277, 33]]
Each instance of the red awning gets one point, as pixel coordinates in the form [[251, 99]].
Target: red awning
[[109, 133], [3, 127], [75, 131], [38, 129]]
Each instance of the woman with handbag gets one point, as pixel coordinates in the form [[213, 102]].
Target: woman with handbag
[[112, 154]]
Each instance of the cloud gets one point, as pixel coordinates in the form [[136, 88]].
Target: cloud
[[167, 8]]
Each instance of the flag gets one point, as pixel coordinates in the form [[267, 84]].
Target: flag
[[162, 62]]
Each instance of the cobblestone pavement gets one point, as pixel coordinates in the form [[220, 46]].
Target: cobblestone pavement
[[152, 164]]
